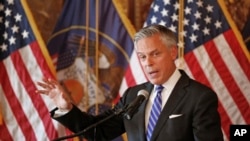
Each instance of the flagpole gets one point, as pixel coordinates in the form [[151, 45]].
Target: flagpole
[[181, 35], [86, 54], [96, 54]]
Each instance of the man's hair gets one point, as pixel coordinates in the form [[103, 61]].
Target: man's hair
[[166, 34]]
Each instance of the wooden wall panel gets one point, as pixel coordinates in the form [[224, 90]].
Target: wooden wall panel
[[46, 12]]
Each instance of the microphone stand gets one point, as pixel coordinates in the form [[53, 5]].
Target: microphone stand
[[117, 112]]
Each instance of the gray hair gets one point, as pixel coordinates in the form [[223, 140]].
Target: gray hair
[[166, 34]]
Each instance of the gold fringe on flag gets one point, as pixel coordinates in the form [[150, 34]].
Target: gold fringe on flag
[[125, 20]]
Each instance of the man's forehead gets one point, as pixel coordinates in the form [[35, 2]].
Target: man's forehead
[[146, 51]]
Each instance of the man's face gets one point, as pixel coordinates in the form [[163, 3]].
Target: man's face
[[156, 58]]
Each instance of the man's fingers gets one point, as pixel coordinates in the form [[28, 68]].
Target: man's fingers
[[45, 92], [48, 84], [44, 85], [49, 81], [53, 83]]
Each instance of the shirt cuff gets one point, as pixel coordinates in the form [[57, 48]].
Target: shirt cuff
[[59, 113]]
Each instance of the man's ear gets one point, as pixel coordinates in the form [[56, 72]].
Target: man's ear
[[174, 52]]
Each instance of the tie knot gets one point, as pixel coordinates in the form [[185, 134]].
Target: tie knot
[[159, 88]]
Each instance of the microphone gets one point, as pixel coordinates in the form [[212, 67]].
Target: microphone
[[133, 107]]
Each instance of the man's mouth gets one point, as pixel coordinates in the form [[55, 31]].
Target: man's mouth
[[153, 73]]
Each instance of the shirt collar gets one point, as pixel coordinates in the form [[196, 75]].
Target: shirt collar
[[171, 82]]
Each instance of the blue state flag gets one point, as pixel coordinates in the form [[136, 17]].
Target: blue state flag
[[91, 48]]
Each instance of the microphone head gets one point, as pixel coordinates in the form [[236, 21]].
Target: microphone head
[[133, 107], [143, 93]]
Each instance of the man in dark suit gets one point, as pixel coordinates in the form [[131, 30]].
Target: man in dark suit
[[188, 109]]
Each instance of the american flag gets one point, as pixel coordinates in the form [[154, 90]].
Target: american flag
[[214, 54], [76, 39], [24, 61]]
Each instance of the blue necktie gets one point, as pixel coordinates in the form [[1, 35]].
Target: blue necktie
[[155, 112]]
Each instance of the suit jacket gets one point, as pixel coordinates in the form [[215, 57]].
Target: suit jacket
[[190, 114]]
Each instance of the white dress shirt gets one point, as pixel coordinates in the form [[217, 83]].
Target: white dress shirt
[[168, 88]]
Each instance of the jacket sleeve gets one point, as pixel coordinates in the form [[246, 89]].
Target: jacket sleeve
[[77, 121]]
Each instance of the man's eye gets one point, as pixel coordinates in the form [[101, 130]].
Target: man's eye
[[155, 53], [141, 57]]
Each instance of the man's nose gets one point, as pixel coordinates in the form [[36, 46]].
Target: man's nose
[[148, 61]]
